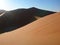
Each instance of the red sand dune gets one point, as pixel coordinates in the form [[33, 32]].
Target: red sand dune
[[44, 31]]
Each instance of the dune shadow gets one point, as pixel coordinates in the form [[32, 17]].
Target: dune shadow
[[14, 19]]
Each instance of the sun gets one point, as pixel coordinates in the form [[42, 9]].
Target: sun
[[3, 4]]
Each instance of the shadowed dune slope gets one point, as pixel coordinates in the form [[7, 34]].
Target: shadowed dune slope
[[44, 31], [20, 17]]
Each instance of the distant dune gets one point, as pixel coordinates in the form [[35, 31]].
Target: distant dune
[[44, 31]]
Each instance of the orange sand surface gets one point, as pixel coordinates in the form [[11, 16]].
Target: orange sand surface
[[44, 31]]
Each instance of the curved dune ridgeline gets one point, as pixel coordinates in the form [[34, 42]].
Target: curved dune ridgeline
[[44, 31]]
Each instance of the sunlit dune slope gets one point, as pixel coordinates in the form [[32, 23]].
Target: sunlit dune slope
[[45, 31], [2, 11]]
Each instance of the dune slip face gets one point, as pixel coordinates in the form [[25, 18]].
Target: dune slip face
[[44, 31]]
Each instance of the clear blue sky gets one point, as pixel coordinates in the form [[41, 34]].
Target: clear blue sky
[[53, 5]]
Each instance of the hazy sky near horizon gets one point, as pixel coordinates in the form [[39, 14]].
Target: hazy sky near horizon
[[52, 5]]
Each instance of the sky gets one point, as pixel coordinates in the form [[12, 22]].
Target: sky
[[52, 5]]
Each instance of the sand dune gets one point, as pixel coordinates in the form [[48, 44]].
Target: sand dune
[[44, 31], [11, 20]]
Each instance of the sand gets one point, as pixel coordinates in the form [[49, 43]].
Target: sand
[[44, 31]]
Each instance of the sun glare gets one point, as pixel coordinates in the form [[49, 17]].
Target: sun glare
[[3, 4]]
